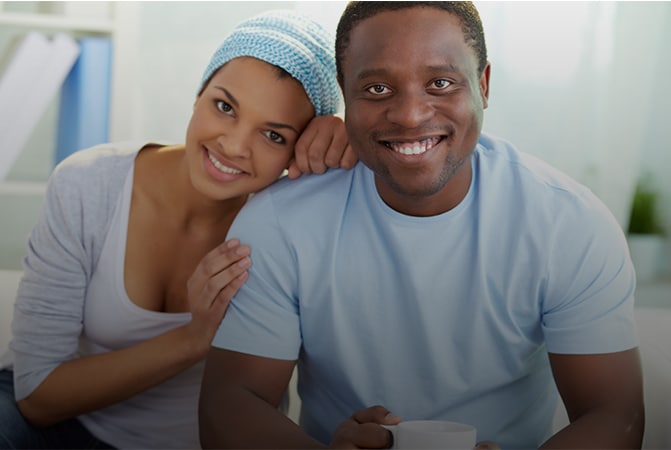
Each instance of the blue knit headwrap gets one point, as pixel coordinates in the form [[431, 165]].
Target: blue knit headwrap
[[292, 41]]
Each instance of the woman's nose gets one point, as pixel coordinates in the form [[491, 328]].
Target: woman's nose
[[235, 143]]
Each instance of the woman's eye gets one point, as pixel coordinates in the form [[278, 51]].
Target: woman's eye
[[378, 89], [275, 137], [441, 84], [223, 106]]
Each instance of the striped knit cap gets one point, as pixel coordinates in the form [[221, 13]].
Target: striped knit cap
[[292, 41]]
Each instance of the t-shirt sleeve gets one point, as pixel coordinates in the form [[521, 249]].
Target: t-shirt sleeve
[[263, 318], [588, 307]]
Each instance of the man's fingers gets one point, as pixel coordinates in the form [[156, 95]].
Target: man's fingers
[[487, 445], [376, 414]]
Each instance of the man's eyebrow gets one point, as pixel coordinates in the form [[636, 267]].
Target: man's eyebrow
[[368, 73], [371, 73], [445, 68], [230, 96], [235, 103]]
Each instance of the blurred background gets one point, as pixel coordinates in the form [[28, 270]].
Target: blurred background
[[579, 84]]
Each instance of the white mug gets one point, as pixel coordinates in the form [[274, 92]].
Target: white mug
[[437, 434]]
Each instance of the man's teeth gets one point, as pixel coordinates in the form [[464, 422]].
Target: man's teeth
[[221, 167], [413, 148]]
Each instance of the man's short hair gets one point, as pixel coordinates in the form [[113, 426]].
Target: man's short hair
[[357, 11]]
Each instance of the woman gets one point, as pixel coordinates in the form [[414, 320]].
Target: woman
[[128, 273]]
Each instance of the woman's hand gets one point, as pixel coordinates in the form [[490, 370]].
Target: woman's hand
[[211, 287], [322, 144]]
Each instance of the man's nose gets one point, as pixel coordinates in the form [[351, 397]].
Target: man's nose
[[410, 109]]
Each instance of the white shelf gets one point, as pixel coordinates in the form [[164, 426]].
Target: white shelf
[[57, 22], [22, 188]]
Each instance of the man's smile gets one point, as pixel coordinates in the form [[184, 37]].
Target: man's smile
[[413, 147]]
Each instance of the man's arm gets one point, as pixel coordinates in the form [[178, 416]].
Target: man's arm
[[603, 395], [239, 400]]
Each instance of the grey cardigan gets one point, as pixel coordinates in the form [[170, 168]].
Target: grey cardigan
[[62, 253]]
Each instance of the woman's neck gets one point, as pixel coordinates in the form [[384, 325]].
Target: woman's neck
[[165, 180]]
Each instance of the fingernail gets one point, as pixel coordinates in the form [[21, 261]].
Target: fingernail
[[392, 418], [246, 262]]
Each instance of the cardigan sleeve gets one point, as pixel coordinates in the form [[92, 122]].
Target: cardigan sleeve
[[61, 254]]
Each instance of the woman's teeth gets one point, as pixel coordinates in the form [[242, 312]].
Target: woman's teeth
[[221, 167]]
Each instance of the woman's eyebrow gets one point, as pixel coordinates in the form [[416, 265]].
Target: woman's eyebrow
[[230, 96], [282, 125], [235, 103]]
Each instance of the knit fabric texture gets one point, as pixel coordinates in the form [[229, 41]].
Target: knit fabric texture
[[292, 41]]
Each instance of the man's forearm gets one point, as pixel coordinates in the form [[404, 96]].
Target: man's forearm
[[602, 429], [244, 420]]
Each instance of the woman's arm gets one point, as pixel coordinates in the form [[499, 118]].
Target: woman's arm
[[93, 382]]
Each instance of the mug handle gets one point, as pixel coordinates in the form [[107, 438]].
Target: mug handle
[[393, 429]]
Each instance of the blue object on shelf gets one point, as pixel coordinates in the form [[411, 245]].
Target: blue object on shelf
[[83, 118]]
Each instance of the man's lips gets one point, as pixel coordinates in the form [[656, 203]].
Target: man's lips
[[413, 147]]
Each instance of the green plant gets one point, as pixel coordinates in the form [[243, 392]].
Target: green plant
[[644, 218]]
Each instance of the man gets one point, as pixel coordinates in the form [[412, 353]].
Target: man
[[449, 276]]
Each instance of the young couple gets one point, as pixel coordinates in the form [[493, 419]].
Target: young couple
[[449, 276]]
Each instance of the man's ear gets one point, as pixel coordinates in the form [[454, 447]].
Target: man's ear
[[484, 85]]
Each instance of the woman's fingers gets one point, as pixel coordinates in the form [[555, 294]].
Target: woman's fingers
[[225, 284], [219, 268], [322, 144]]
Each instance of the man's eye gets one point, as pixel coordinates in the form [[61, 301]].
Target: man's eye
[[378, 89], [441, 84], [275, 137], [223, 106]]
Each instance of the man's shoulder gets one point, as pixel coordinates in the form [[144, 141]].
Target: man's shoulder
[[292, 206], [310, 190], [541, 190], [525, 171]]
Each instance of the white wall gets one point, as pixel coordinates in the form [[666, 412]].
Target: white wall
[[170, 46], [590, 127]]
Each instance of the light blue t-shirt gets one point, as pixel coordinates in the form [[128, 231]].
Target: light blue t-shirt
[[444, 317]]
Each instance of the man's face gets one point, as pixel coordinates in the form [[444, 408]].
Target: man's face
[[414, 106]]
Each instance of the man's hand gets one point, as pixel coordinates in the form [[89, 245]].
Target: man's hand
[[487, 445], [363, 430], [322, 144]]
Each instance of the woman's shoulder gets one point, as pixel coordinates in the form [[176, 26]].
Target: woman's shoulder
[[96, 169], [99, 158], [91, 180]]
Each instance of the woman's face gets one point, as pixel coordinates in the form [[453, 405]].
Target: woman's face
[[244, 127]]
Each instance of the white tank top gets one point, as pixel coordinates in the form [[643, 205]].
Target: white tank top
[[165, 416]]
